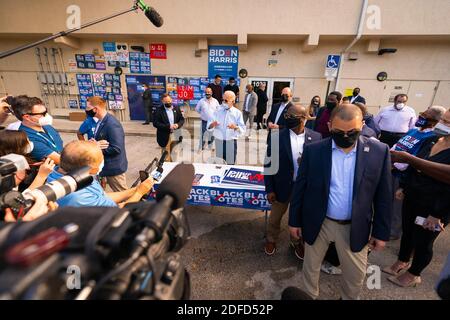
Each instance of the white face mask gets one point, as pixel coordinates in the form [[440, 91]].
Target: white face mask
[[441, 130], [399, 106], [29, 148], [226, 106], [46, 121]]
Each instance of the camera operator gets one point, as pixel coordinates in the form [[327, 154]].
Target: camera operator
[[4, 110], [78, 154], [17, 142]]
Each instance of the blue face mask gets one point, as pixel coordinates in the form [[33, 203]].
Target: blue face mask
[[421, 122]]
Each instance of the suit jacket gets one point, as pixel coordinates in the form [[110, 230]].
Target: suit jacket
[[372, 192], [162, 124], [262, 101], [281, 183], [368, 132], [272, 116], [147, 97], [358, 99], [115, 155], [252, 103]]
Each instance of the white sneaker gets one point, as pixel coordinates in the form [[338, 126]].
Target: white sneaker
[[328, 268]]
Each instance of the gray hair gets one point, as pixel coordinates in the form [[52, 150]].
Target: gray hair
[[437, 112]]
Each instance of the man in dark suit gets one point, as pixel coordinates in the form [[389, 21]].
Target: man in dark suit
[[284, 155], [356, 97], [148, 104], [276, 120], [110, 137], [343, 194], [261, 107], [168, 118]]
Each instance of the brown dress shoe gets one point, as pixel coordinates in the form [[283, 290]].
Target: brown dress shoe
[[299, 250], [269, 248]]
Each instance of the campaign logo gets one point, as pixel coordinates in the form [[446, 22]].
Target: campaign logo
[[215, 179], [242, 176]]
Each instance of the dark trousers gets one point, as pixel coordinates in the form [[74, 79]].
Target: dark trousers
[[148, 114], [259, 118], [390, 138], [415, 239], [227, 150]]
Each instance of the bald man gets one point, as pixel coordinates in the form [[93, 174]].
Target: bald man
[[276, 120], [284, 159], [78, 154], [227, 125], [343, 194]]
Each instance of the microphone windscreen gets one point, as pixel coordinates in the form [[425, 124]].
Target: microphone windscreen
[[163, 158], [293, 293], [177, 184], [154, 17]]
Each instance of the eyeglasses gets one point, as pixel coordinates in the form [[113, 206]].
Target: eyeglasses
[[348, 133], [124, 47], [38, 113]]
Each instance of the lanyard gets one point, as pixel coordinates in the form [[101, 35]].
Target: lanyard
[[50, 141]]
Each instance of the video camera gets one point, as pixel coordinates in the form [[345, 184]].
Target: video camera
[[20, 203], [102, 253]]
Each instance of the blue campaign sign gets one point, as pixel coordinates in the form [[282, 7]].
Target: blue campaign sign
[[135, 89], [333, 61], [223, 60]]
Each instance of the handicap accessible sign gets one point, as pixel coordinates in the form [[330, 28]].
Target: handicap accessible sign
[[223, 60]]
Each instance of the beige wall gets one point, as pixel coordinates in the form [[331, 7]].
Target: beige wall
[[421, 36]]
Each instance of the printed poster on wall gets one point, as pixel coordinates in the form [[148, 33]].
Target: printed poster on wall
[[223, 60], [158, 51], [135, 89], [140, 62]]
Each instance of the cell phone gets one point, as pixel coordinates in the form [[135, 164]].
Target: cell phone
[[421, 221]]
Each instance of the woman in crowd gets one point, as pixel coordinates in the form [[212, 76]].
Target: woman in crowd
[[313, 109], [426, 198], [17, 142]]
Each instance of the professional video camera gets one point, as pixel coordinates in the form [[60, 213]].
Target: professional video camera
[[20, 203], [102, 253]]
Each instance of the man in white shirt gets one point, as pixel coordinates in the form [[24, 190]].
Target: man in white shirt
[[395, 120], [227, 124], [279, 185], [206, 108]]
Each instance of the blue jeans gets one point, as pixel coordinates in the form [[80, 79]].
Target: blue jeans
[[205, 136], [227, 150]]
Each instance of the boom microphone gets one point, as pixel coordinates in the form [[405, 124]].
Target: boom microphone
[[150, 13], [177, 185]]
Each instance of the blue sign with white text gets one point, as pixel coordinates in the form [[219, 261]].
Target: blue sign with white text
[[223, 60]]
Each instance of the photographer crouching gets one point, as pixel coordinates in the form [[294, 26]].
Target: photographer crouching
[[78, 154]]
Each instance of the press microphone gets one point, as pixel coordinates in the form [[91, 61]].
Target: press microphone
[[150, 13], [293, 293]]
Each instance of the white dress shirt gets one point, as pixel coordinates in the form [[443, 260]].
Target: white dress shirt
[[353, 98], [247, 101], [397, 121], [297, 143], [280, 111], [224, 118], [169, 112], [206, 108]]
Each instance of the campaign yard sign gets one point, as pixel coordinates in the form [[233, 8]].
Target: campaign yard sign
[[223, 60], [237, 176]]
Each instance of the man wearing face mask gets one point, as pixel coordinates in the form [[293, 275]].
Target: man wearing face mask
[[395, 120], [276, 120], [227, 124], [110, 137], [37, 124], [343, 194], [78, 154], [206, 108], [232, 86], [168, 119], [356, 97], [324, 113], [285, 160], [249, 108]]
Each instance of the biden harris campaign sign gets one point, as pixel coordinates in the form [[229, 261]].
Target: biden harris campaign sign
[[223, 60]]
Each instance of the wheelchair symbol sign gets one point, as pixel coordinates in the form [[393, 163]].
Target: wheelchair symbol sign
[[333, 61], [332, 65]]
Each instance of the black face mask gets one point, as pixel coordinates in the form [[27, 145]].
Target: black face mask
[[344, 141], [168, 105], [355, 93], [292, 123], [284, 98], [331, 105], [91, 113], [208, 95]]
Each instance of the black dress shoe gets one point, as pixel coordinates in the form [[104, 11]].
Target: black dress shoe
[[145, 123]]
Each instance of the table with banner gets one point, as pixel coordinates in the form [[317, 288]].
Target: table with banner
[[226, 186]]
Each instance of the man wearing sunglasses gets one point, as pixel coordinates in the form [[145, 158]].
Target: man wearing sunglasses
[[37, 124], [343, 194]]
